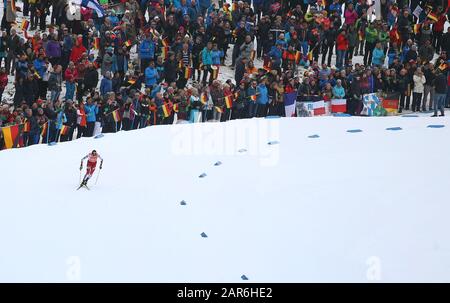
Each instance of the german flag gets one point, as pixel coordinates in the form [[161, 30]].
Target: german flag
[[298, 56], [128, 43], [187, 73], [64, 130], [175, 107], [96, 43], [116, 115], [390, 105], [44, 129], [252, 55], [165, 109], [165, 42], [24, 25], [253, 98], [131, 81], [417, 28], [432, 16], [219, 109], [310, 56], [165, 53], [443, 66], [11, 136], [228, 101], [234, 6], [215, 71], [26, 127], [203, 98]]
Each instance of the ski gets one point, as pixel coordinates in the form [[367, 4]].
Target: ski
[[83, 186]]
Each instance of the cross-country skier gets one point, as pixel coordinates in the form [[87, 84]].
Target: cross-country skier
[[91, 164]]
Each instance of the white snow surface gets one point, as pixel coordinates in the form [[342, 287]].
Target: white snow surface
[[344, 207]]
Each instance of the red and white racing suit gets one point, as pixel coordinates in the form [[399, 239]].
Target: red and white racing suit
[[91, 163]]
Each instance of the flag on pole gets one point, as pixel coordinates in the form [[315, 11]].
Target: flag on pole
[[298, 56], [338, 105], [11, 136], [319, 108], [165, 42], [175, 107], [432, 16], [416, 28], [165, 109], [219, 109], [92, 4], [215, 71], [64, 130], [26, 127], [310, 56], [165, 53], [97, 43], [229, 101], [128, 43], [116, 115], [203, 98], [187, 73], [44, 129], [24, 25], [289, 103]]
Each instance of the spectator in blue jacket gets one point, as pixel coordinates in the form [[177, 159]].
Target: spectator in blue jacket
[[40, 65], [207, 62], [146, 51], [151, 75], [252, 90], [263, 98], [216, 55], [276, 53], [91, 111], [106, 84]]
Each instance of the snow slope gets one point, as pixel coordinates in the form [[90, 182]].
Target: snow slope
[[360, 207]]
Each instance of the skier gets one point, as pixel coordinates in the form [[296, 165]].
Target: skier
[[91, 164]]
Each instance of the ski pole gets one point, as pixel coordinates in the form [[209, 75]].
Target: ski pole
[[96, 179]]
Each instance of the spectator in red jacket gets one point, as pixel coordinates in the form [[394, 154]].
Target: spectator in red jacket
[[341, 49], [3, 82], [78, 50]]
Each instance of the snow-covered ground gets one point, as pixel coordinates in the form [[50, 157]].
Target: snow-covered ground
[[360, 207]]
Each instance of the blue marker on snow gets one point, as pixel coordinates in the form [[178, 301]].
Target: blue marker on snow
[[242, 150], [202, 175], [394, 128], [354, 131], [244, 277], [183, 202], [436, 126], [217, 163], [273, 142], [204, 235], [314, 136]]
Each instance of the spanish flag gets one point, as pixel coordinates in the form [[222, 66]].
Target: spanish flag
[[215, 71], [187, 73], [96, 43], [252, 55], [11, 136], [128, 43], [44, 129], [433, 17], [310, 56], [26, 127], [64, 130], [24, 25], [175, 107], [253, 98], [116, 115], [298, 56], [165, 109], [203, 98], [165, 42], [228, 101], [219, 109]]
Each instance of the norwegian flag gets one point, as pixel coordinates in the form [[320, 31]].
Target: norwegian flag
[[319, 108], [338, 105]]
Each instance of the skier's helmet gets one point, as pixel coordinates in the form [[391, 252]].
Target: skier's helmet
[[94, 151]]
